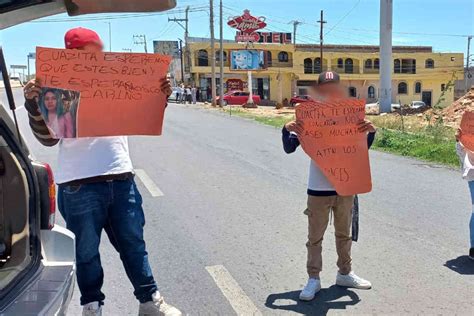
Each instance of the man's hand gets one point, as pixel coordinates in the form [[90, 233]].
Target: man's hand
[[165, 86], [458, 134], [295, 127], [32, 90], [366, 126]]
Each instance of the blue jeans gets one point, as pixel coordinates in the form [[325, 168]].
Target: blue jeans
[[471, 222], [116, 207]]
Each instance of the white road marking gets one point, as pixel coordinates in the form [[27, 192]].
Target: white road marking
[[237, 298], [148, 183]]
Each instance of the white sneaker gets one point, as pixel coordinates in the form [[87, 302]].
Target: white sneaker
[[309, 291], [352, 280], [92, 309], [157, 307]]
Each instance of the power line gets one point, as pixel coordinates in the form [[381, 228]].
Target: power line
[[342, 19]]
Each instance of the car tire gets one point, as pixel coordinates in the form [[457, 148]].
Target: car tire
[[224, 103]]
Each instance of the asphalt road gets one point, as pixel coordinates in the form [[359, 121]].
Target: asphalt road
[[228, 235]]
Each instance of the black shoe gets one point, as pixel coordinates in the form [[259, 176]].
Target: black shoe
[[471, 253]]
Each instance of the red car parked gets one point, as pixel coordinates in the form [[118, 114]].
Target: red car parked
[[239, 98], [300, 99]]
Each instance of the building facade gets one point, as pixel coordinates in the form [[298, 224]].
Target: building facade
[[418, 72]]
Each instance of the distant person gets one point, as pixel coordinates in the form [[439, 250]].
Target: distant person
[[97, 192], [58, 120], [322, 199], [209, 93], [467, 164], [193, 94], [178, 93], [188, 94], [183, 93]]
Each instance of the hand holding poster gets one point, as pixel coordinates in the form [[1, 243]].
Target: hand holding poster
[[87, 94], [467, 128], [333, 142]]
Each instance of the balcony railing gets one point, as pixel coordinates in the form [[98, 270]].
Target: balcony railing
[[371, 70], [347, 69]]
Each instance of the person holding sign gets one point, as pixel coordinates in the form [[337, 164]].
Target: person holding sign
[[97, 191], [465, 151], [323, 198]]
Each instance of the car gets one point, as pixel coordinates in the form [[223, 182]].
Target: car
[[239, 98], [37, 256], [376, 105], [300, 99], [417, 104]]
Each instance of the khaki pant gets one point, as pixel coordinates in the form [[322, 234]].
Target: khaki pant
[[318, 211]]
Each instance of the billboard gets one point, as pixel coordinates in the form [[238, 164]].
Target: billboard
[[170, 48], [247, 59]]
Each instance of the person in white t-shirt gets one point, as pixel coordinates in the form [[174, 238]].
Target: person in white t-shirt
[[322, 199], [97, 191], [466, 158]]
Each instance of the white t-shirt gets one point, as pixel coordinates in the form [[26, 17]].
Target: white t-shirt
[[317, 181], [92, 156]]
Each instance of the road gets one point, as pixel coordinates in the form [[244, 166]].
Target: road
[[228, 233]]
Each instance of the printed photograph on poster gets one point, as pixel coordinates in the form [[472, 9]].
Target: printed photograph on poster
[[59, 110], [245, 59]]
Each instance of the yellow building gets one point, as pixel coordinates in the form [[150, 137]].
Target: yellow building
[[418, 72]]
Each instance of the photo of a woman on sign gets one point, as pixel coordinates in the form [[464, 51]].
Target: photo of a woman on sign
[[59, 108], [247, 60]]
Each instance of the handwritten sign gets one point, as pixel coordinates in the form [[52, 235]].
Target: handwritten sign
[[332, 140], [119, 92], [467, 127]]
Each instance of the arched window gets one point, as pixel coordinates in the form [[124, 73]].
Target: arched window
[[418, 87], [429, 63], [368, 64], [317, 66], [203, 59], [308, 66], [283, 57], [376, 63], [269, 58], [352, 92], [348, 66], [397, 66], [402, 88], [371, 92], [218, 56], [443, 87], [340, 63]]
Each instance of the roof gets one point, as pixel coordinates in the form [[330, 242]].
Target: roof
[[363, 48]]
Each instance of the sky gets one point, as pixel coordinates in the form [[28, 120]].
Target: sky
[[415, 22]]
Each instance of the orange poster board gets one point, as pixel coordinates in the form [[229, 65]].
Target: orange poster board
[[100, 93], [467, 128], [333, 142]]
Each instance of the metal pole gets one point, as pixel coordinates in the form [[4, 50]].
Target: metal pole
[[213, 53], [110, 37], [385, 99], [28, 59], [181, 57], [321, 38], [186, 38], [144, 42], [221, 57], [466, 79]]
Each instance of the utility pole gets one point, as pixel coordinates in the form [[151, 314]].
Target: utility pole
[[295, 25], [221, 56], [468, 58], [321, 37], [140, 40], [213, 53], [186, 35], [181, 57], [110, 36], [385, 94]]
